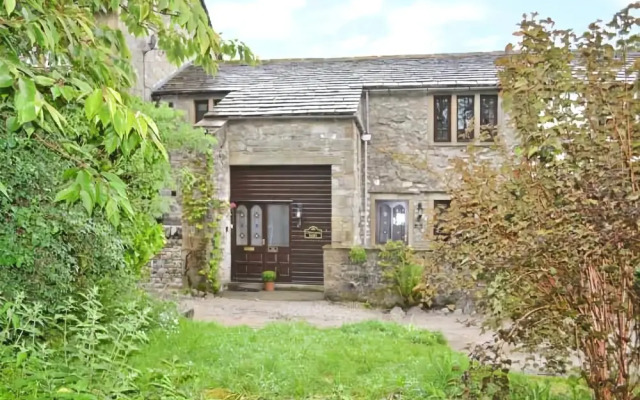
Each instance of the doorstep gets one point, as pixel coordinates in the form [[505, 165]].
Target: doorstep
[[276, 295], [257, 286]]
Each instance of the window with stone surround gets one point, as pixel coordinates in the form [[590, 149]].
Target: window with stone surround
[[488, 116], [442, 120], [201, 107], [391, 221], [475, 117], [465, 114]]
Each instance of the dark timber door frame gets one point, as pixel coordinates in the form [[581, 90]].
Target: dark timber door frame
[[306, 189], [261, 240]]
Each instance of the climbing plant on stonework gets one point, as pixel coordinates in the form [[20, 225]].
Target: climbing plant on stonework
[[553, 233], [203, 211]]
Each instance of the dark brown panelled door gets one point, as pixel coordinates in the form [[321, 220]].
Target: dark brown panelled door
[[261, 241], [297, 195]]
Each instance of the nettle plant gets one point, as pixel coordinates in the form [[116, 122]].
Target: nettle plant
[[553, 231]]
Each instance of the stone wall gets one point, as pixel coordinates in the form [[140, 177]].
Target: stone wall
[[347, 281], [167, 267], [405, 164], [321, 141], [156, 67]]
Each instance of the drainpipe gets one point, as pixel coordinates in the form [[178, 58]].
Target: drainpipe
[[366, 137]]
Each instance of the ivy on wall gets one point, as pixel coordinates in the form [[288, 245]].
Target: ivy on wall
[[203, 211]]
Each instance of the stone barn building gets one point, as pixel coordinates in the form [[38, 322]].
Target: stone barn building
[[319, 155]]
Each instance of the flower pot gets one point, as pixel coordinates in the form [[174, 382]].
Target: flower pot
[[269, 286]]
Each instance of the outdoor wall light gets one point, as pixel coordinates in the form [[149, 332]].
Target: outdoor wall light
[[297, 213], [420, 213]]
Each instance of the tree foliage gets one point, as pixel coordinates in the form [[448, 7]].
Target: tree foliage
[[553, 232], [83, 160], [59, 54]]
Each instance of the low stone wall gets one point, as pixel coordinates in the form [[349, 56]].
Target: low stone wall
[[346, 281], [167, 267]]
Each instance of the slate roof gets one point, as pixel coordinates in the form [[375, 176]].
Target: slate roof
[[327, 86], [332, 86]]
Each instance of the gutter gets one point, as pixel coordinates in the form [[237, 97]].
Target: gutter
[[434, 89]]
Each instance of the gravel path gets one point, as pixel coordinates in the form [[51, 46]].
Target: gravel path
[[323, 314]]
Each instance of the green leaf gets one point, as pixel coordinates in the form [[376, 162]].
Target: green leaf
[[6, 77], [9, 5], [25, 101], [3, 190], [101, 194], [55, 115], [44, 80], [68, 92], [127, 207], [13, 124], [83, 86], [111, 141], [116, 183], [84, 180], [69, 194], [120, 123], [112, 212], [93, 103], [87, 201]]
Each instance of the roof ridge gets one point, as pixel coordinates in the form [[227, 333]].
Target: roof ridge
[[380, 57]]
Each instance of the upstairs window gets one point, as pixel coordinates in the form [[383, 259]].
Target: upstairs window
[[465, 118], [391, 221], [442, 120], [202, 107], [488, 116]]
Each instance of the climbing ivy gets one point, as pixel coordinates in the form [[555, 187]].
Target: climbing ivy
[[203, 210]]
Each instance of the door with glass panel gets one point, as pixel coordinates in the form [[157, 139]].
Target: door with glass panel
[[261, 241]]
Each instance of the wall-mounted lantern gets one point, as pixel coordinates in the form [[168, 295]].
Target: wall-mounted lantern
[[419, 213], [297, 213], [232, 210]]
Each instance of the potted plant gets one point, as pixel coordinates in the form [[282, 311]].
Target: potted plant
[[269, 277]]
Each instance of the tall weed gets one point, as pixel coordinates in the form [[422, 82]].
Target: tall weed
[[81, 351]]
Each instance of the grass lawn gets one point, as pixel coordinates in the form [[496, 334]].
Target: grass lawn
[[370, 360]]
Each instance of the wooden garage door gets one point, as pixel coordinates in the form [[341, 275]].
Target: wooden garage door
[[306, 188]]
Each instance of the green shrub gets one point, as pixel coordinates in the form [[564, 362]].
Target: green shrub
[[48, 250], [357, 255], [268, 276], [404, 273]]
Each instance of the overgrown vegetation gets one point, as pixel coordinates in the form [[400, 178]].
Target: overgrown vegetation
[[357, 255], [81, 351], [203, 211], [83, 163], [553, 230], [405, 273]]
